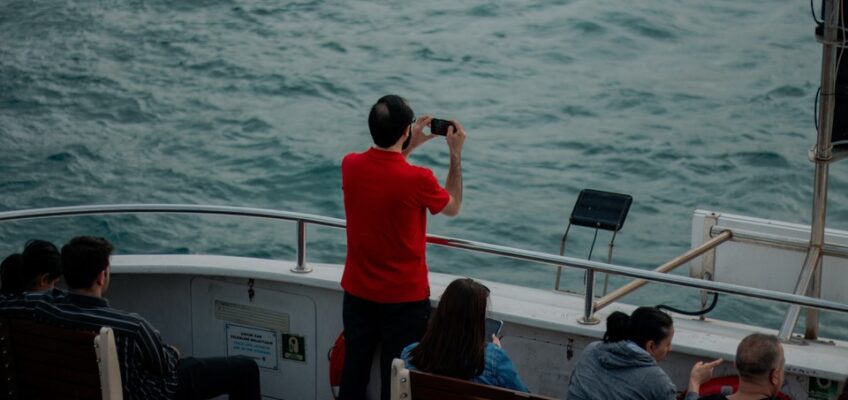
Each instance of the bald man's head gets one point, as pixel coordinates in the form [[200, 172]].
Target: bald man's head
[[759, 359]]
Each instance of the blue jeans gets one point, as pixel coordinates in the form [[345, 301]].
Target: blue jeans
[[366, 323]]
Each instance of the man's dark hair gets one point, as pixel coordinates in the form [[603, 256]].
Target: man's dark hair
[[83, 258], [757, 355], [388, 119]]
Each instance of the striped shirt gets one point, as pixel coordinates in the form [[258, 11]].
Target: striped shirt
[[148, 366]]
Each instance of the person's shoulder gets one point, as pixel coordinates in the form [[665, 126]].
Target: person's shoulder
[[591, 354], [405, 356], [104, 309], [53, 295], [421, 172], [405, 352], [8, 299], [350, 157], [128, 316], [130, 321], [354, 155], [591, 347], [143, 322]]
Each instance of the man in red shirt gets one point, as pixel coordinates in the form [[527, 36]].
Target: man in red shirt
[[387, 292]]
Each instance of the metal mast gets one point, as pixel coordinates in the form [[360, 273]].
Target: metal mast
[[809, 282]]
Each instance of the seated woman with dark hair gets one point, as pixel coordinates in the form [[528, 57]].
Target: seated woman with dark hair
[[37, 269], [455, 344], [624, 365]]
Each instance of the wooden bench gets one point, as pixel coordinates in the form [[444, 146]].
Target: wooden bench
[[415, 385], [43, 361]]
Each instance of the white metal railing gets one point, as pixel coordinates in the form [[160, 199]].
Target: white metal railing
[[591, 267]]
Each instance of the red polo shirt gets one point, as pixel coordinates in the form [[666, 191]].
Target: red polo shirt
[[385, 200]]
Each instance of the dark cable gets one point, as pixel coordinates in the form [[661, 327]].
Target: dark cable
[[691, 313], [816, 109], [813, 10], [591, 249]]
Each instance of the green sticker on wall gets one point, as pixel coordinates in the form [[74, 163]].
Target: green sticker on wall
[[822, 389], [294, 347]]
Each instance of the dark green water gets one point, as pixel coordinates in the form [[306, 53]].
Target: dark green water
[[682, 104]]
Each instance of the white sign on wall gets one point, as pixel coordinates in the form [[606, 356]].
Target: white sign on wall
[[256, 343]]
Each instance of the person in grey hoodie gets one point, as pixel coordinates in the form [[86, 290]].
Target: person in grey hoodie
[[624, 365]]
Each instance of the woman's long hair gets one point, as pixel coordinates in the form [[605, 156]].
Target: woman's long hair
[[644, 325], [455, 344]]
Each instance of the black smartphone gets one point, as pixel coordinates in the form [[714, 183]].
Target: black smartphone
[[493, 327], [439, 126]]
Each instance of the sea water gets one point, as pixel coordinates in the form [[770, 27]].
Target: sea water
[[253, 103]]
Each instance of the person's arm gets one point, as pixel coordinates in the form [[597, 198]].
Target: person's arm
[[159, 357], [453, 183], [700, 374], [418, 135], [505, 371]]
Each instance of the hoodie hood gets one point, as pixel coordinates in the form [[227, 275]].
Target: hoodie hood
[[623, 354]]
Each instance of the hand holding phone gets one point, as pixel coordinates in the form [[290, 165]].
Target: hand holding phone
[[418, 137], [493, 327], [440, 126]]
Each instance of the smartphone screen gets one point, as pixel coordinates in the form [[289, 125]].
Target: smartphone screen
[[493, 327]]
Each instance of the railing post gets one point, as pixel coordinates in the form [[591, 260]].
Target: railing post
[[811, 331], [609, 261], [707, 270], [588, 317], [301, 267], [792, 314], [562, 253]]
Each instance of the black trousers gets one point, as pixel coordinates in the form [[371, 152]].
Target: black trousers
[[205, 378], [366, 323]]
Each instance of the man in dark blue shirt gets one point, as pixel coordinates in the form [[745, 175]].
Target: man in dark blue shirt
[[150, 369]]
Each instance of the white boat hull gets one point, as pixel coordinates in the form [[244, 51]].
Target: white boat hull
[[202, 305]]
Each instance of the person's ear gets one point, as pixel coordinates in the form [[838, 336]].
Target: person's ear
[[651, 346], [101, 278], [44, 280], [774, 377]]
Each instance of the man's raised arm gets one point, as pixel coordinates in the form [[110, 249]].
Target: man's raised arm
[[453, 183]]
